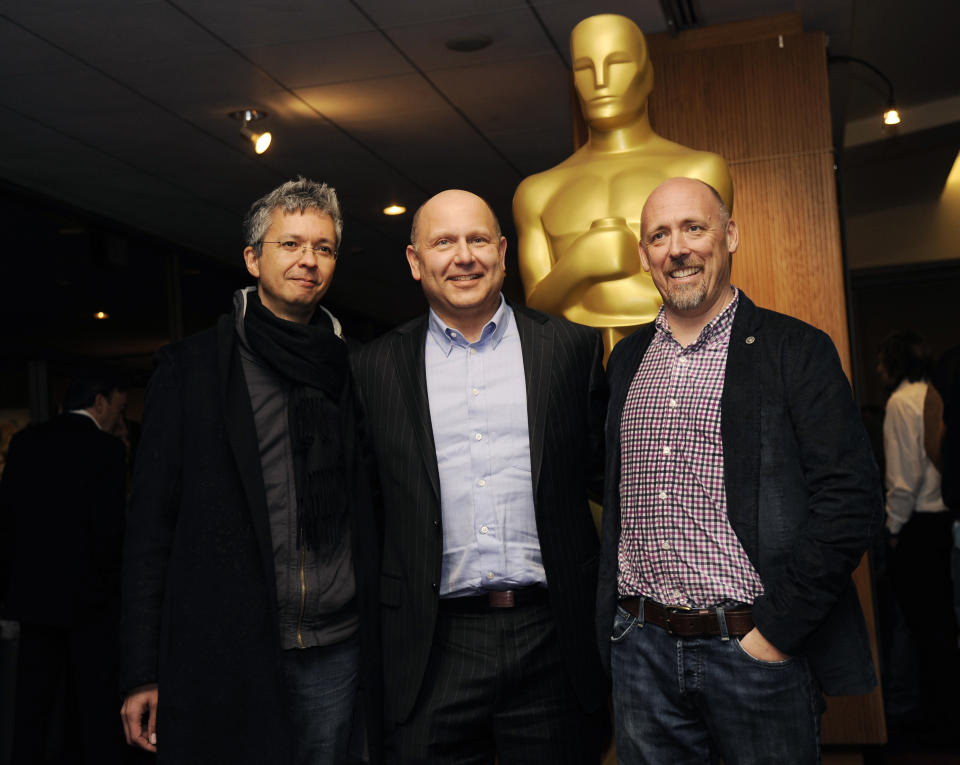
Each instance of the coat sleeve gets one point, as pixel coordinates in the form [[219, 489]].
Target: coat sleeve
[[151, 523], [844, 507]]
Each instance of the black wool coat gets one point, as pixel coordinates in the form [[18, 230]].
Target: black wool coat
[[199, 592]]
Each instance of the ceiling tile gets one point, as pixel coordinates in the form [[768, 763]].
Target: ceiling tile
[[250, 23], [329, 60], [123, 33], [510, 95], [382, 98], [515, 34], [390, 13]]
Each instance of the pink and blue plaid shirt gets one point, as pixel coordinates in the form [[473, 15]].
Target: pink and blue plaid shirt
[[676, 543]]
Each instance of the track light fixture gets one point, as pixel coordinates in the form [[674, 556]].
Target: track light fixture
[[890, 115], [260, 141]]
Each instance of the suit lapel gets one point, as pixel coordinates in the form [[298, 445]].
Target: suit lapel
[[741, 403], [408, 351], [242, 437], [537, 344]]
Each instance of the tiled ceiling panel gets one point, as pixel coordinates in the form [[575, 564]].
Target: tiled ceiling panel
[[389, 14], [515, 34], [383, 98], [514, 95], [251, 23], [330, 60]]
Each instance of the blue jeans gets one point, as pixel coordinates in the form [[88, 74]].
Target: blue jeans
[[321, 686], [692, 700]]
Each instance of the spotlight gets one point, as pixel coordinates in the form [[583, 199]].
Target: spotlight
[[260, 141], [890, 115], [394, 210]]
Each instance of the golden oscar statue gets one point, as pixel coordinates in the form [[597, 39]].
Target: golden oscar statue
[[578, 223]]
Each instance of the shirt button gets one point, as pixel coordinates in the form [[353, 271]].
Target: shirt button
[[666, 449], [665, 544], [476, 391], [484, 529], [473, 350], [673, 403], [662, 495], [481, 482], [683, 360], [489, 575], [478, 436], [677, 595]]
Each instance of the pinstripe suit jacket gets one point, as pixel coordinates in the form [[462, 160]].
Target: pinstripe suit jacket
[[566, 401]]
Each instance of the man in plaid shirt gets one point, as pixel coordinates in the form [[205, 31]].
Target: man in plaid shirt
[[741, 493]]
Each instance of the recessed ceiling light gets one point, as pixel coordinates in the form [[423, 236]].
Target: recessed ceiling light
[[469, 44], [394, 210], [101, 315]]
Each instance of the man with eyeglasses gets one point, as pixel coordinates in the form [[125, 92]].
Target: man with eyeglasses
[[251, 550]]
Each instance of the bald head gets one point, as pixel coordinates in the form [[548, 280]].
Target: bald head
[[450, 195], [687, 242], [458, 256], [692, 189]]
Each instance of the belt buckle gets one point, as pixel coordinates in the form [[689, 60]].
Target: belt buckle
[[669, 611], [501, 599]]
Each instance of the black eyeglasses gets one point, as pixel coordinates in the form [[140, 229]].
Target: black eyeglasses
[[292, 247]]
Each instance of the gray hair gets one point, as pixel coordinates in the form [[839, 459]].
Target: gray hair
[[296, 196], [416, 220]]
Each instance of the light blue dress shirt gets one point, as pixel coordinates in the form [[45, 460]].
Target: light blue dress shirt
[[478, 406]]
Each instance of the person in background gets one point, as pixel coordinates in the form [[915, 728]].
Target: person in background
[[61, 530], [918, 522]]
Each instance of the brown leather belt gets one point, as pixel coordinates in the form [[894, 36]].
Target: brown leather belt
[[491, 599], [697, 622]]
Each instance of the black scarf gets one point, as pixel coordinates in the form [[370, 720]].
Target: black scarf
[[314, 361]]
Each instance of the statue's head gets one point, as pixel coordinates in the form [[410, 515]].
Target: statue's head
[[611, 69]]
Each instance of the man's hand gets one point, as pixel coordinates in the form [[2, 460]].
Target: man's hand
[[760, 648], [141, 706]]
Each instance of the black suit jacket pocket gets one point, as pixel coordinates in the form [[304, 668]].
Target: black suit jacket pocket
[[391, 590]]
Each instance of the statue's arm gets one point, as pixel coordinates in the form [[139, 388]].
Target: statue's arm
[[533, 257], [552, 285]]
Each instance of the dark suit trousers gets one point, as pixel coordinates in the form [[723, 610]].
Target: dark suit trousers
[[496, 686], [67, 702]]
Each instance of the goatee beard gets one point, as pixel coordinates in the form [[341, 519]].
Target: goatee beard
[[684, 297]]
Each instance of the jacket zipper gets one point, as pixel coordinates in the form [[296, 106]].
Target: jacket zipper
[[303, 597]]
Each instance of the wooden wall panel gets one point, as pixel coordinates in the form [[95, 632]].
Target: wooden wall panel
[[790, 256], [746, 101]]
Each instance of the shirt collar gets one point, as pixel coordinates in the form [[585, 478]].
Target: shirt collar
[[447, 337], [85, 413], [717, 327]]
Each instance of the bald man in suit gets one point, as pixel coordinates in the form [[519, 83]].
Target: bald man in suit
[[485, 420]]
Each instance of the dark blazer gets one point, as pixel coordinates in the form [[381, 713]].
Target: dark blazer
[[566, 397], [199, 595], [803, 491], [61, 504]]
